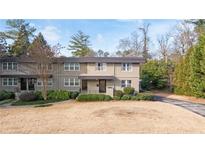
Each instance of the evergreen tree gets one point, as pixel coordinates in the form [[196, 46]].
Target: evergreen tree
[[3, 46], [14, 27], [79, 45], [197, 73], [21, 44]]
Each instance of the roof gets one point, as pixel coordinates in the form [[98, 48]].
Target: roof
[[96, 77], [26, 58], [102, 59]]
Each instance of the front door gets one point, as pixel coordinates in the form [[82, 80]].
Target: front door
[[31, 85], [23, 84], [84, 85], [102, 86]]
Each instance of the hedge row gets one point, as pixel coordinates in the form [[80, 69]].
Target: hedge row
[[51, 95], [93, 97], [139, 96]]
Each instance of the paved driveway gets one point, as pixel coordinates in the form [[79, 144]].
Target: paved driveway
[[194, 107]]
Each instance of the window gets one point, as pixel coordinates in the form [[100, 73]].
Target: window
[[4, 66], [71, 82], [10, 81], [101, 66], [126, 83], [71, 66], [9, 66], [5, 81], [49, 83], [39, 83], [66, 82], [126, 67], [50, 67], [14, 66]]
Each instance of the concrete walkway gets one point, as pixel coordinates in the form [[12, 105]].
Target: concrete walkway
[[194, 107]]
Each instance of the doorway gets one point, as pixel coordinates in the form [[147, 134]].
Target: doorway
[[102, 86]]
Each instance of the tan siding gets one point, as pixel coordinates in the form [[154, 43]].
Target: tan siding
[[91, 69], [133, 73]]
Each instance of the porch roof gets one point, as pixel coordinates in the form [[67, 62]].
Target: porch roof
[[96, 77], [23, 75]]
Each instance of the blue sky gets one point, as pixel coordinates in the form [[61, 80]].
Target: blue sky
[[104, 34]]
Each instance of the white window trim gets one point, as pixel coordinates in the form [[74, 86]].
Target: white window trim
[[7, 66], [68, 64], [39, 80], [126, 83], [68, 80], [7, 82], [126, 70], [104, 67]]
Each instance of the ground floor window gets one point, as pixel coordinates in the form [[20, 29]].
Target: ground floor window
[[71, 82], [9, 81], [40, 82], [126, 83]]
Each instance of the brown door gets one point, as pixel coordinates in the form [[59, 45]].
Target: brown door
[[102, 86], [84, 85], [31, 84], [23, 84]]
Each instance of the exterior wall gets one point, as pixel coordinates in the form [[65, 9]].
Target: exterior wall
[[8, 88], [134, 83], [93, 87], [59, 74], [91, 69]]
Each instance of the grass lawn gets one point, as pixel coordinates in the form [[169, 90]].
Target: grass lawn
[[101, 117], [6, 101]]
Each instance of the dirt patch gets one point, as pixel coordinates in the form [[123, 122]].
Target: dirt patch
[[126, 112], [101, 117]]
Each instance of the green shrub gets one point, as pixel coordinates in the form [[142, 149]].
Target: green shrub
[[74, 94], [118, 93], [129, 90], [126, 97], [143, 96], [39, 95], [135, 98], [58, 95], [6, 95], [116, 98], [107, 98], [27, 96], [93, 97]]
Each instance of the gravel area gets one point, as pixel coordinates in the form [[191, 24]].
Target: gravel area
[[101, 117]]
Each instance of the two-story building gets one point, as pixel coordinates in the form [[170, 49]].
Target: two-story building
[[84, 74]]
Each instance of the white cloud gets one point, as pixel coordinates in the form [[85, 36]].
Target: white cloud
[[99, 38], [51, 33]]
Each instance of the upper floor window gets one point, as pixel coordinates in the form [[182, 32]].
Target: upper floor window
[[126, 83], [71, 82], [71, 66], [45, 66], [126, 67], [9, 66], [101, 66], [9, 81]]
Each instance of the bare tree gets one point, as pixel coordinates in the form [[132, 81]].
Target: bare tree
[[145, 30], [43, 55], [184, 37], [136, 43], [164, 46], [130, 46]]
